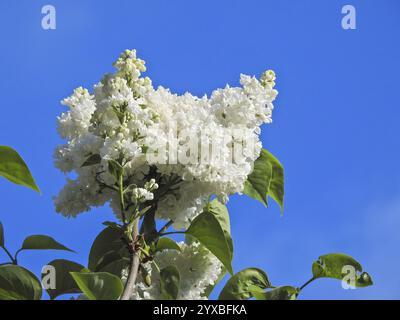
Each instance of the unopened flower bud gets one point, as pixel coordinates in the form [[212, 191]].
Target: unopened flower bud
[[268, 78], [151, 185]]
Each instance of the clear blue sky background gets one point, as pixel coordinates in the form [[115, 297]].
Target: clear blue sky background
[[336, 122]]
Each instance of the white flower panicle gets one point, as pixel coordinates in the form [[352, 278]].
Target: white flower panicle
[[191, 147], [198, 269], [77, 121]]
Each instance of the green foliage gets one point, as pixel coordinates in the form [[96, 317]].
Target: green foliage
[[279, 293], [267, 179], [334, 266], [109, 254], [166, 243], [41, 242], [106, 245], [220, 211], [243, 283], [18, 283], [64, 281], [169, 283], [115, 267], [98, 285], [13, 168], [35, 242], [208, 231], [252, 282], [92, 160]]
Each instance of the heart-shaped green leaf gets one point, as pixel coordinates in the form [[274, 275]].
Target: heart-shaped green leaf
[[266, 179], [242, 285], [99, 285], [14, 168], [208, 231], [220, 211], [18, 283], [257, 183], [64, 281], [169, 283], [109, 240]]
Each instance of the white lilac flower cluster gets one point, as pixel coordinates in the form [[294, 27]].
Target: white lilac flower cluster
[[128, 121], [198, 269]]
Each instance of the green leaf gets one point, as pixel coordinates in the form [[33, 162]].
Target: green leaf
[[41, 242], [64, 281], [115, 267], [266, 179], [335, 265], [277, 184], [279, 293], [257, 183], [364, 280], [220, 211], [243, 283], [167, 243], [111, 224], [1, 235], [169, 283], [108, 258], [208, 231], [92, 160], [112, 262], [109, 240], [13, 168], [17, 283], [99, 285]]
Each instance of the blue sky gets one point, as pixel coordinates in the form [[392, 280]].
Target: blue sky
[[335, 124]]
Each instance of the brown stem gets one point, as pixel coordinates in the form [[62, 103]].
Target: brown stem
[[166, 226], [134, 265]]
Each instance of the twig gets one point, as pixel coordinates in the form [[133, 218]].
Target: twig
[[166, 226], [13, 260], [306, 284], [134, 265], [173, 232], [121, 199]]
